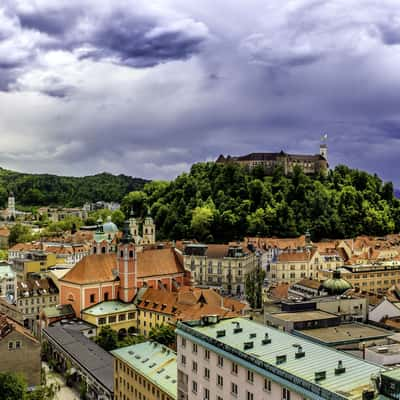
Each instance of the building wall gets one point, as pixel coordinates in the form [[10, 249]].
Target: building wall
[[25, 359], [346, 307], [130, 384], [228, 272], [192, 366], [123, 320], [146, 320], [385, 309]]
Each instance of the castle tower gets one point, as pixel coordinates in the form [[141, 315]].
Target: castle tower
[[134, 229], [149, 230], [11, 206], [126, 258], [323, 150]]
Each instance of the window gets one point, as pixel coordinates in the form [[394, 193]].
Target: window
[[121, 317], [101, 321], [183, 342], [194, 366], [131, 315], [220, 361], [249, 396], [234, 368], [206, 354], [194, 348], [206, 373], [106, 296], [10, 345], [183, 359], [267, 385], [234, 389], [112, 319], [194, 386], [285, 394], [206, 394], [220, 380], [250, 376], [92, 298]]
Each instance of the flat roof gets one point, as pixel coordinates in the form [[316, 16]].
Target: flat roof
[[394, 374], [154, 361], [109, 307], [389, 349], [304, 316], [296, 373], [345, 333], [98, 363]]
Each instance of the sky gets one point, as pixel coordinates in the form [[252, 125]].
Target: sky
[[146, 88]]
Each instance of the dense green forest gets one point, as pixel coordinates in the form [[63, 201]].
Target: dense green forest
[[44, 189], [220, 203]]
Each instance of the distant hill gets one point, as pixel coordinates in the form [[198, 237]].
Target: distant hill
[[45, 189]]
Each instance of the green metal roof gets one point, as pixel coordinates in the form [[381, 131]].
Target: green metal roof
[[59, 311], [394, 374], [109, 307], [297, 373], [154, 361]]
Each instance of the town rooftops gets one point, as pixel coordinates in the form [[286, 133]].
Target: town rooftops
[[7, 325], [97, 362], [154, 361], [344, 334], [314, 371], [59, 311], [109, 307]]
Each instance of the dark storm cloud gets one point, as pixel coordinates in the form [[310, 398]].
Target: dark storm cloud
[[147, 89]]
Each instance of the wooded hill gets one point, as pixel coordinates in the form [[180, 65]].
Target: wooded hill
[[45, 189], [224, 202]]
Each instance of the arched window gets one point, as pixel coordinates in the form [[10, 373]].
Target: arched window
[[103, 250], [121, 253], [94, 250], [131, 254]]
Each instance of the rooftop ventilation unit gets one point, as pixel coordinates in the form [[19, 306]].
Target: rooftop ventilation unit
[[266, 340], [340, 369], [299, 353], [152, 365], [281, 359], [131, 352], [221, 333], [320, 376], [253, 335], [248, 345], [161, 371]]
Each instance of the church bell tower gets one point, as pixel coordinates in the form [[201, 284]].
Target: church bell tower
[[127, 266]]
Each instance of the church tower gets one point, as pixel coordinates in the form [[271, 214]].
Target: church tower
[[134, 229], [149, 230], [323, 150], [127, 266], [11, 206]]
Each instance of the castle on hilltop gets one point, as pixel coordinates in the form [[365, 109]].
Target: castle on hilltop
[[311, 164]]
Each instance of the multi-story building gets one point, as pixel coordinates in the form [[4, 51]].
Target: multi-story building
[[19, 351], [295, 266], [32, 297], [8, 281], [310, 164], [33, 264], [145, 371], [242, 359], [120, 316], [219, 266], [374, 278]]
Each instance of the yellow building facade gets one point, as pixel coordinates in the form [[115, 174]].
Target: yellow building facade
[[145, 371]]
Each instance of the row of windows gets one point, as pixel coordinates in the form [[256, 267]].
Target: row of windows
[[14, 345], [112, 319], [51, 298]]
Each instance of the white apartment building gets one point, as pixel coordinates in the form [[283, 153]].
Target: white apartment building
[[241, 359]]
